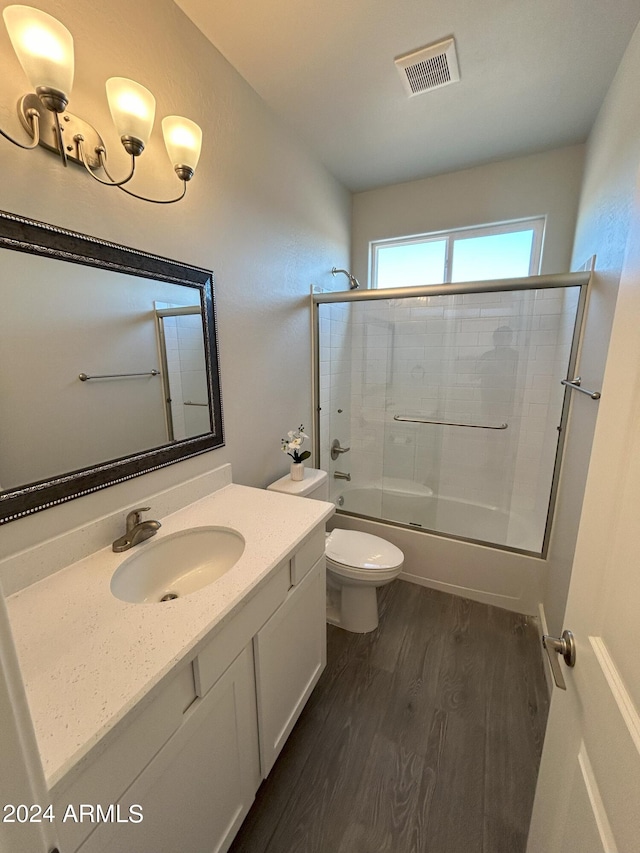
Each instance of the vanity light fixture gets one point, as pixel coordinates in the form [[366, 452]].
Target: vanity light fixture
[[44, 48]]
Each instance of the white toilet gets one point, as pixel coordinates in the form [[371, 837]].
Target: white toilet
[[357, 563]]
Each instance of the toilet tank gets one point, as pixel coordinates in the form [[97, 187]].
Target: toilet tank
[[314, 485]]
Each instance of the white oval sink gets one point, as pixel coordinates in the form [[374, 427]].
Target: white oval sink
[[177, 565]]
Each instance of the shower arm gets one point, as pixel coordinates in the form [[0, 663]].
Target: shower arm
[[354, 284]]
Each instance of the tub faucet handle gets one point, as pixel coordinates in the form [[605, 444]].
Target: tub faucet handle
[[336, 450]]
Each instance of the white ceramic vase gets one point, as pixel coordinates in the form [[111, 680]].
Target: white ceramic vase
[[297, 470]]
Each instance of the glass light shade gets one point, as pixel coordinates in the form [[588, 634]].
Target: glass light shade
[[183, 139], [133, 108], [43, 46]]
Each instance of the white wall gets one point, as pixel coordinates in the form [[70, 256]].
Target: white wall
[[547, 183], [611, 173], [261, 212]]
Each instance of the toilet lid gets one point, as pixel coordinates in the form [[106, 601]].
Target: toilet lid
[[362, 550]]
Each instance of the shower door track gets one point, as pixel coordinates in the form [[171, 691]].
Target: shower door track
[[531, 282]]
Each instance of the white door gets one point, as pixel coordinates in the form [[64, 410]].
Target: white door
[[588, 794]]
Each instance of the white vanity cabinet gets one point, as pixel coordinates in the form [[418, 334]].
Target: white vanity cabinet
[[195, 793], [290, 655], [193, 758]]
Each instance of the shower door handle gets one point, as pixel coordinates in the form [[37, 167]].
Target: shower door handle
[[565, 646], [336, 450]]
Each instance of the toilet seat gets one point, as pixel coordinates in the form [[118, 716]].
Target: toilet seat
[[357, 563], [362, 552]]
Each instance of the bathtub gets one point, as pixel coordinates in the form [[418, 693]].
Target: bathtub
[[419, 507], [433, 536]]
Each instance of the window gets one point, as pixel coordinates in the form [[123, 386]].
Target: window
[[508, 250]]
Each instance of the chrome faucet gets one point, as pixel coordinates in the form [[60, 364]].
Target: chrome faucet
[[136, 530], [340, 475]]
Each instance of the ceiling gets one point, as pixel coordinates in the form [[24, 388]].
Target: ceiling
[[533, 76]]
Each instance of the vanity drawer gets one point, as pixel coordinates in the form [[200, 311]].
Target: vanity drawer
[[222, 649], [106, 776], [307, 555]]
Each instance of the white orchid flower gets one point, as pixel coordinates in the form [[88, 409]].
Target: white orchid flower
[[293, 443]]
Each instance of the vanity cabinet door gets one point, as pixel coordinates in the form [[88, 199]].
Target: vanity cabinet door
[[290, 655], [197, 790]]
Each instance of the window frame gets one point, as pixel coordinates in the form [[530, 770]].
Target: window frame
[[537, 224]]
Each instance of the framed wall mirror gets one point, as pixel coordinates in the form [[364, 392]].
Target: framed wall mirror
[[108, 364]]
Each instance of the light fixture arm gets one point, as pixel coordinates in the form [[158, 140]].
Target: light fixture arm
[[157, 200], [101, 151], [33, 117]]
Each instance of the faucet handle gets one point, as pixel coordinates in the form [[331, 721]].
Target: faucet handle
[[336, 450], [134, 516]]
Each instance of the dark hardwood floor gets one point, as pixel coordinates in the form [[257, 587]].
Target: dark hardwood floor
[[424, 735]]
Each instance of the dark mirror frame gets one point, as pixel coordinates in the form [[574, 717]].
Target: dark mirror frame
[[38, 238]]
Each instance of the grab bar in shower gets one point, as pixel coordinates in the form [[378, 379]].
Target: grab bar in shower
[[190, 403], [407, 419], [574, 384], [83, 376]]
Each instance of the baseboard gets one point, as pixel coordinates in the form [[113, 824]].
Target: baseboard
[[543, 629], [506, 602]]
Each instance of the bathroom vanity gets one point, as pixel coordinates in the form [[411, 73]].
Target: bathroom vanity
[[168, 715]]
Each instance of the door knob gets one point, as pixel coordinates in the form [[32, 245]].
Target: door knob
[[565, 646]]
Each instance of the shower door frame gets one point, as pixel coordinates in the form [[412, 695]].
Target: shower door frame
[[535, 282], [161, 315]]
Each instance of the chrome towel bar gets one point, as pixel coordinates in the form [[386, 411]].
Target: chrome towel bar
[[189, 403], [574, 384], [407, 419], [83, 376]]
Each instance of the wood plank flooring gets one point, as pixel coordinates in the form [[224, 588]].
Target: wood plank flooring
[[421, 737]]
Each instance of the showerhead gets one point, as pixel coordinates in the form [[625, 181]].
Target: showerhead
[[353, 281]]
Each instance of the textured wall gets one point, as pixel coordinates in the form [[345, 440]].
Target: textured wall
[[547, 183], [604, 219]]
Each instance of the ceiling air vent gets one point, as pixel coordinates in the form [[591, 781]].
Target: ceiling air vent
[[429, 68]]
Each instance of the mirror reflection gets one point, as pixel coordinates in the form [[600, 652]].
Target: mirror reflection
[[108, 364], [141, 354]]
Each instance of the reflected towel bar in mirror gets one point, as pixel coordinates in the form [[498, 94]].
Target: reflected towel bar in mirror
[[418, 420], [83, 376]]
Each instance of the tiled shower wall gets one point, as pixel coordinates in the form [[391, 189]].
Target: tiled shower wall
[[483, 359], [335, 386]]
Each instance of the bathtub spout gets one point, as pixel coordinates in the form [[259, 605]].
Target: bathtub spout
[[340, 475]]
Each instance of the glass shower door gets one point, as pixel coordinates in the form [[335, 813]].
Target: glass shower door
[[451, 406], [474, 404]]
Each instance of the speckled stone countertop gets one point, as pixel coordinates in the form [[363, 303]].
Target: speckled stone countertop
[[88, 658]]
